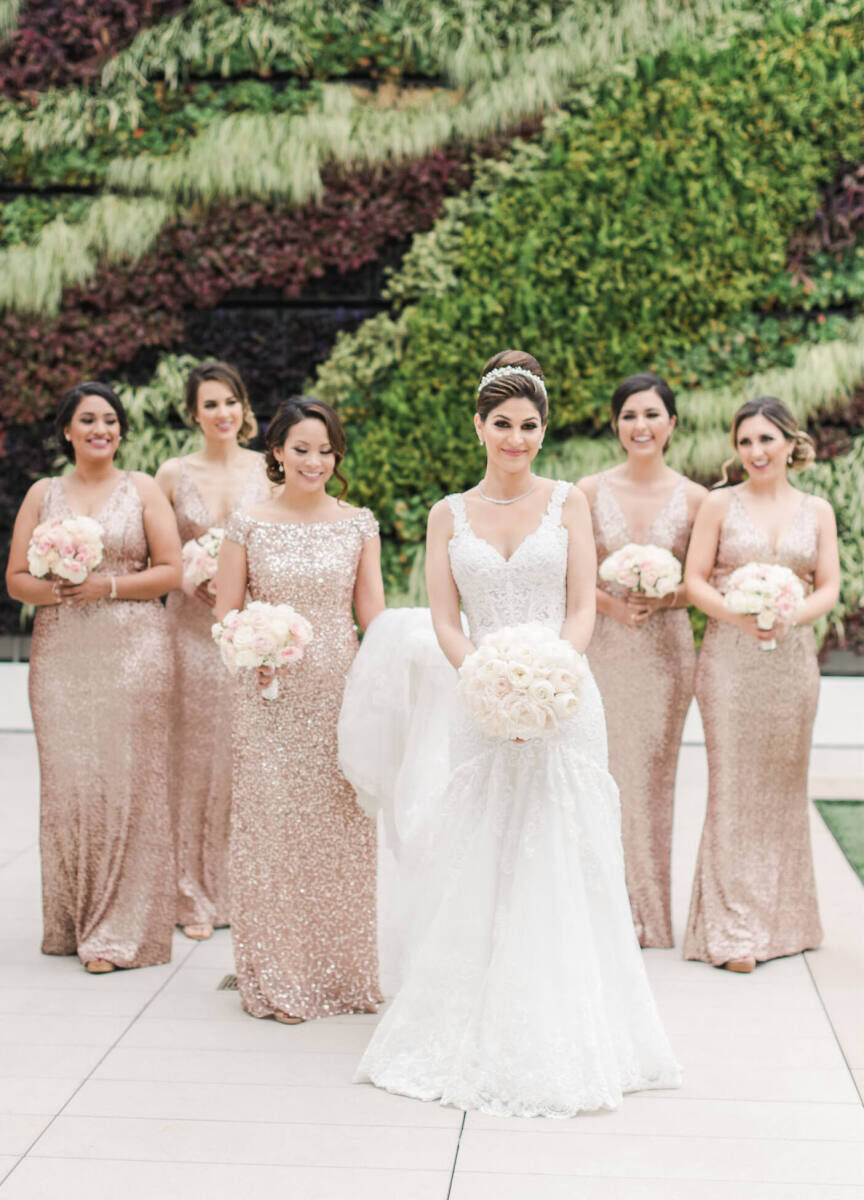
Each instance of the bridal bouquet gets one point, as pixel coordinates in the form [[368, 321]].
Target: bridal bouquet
[[68, 548], [649, 569], [262, 635], [766, 590], [200, 557], [522, 682]]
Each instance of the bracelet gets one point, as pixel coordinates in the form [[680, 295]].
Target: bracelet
[[113, 593]]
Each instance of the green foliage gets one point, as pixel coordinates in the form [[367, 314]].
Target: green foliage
[[8, 16], [157, 430], [22, 219], [841, 482]]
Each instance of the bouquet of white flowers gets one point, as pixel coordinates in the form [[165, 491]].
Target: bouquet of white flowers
[[200, 558], [69, 548], [522, 682], [650, 570], [766, 590], [262, 635]]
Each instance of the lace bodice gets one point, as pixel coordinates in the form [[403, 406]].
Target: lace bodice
[[530, 585]]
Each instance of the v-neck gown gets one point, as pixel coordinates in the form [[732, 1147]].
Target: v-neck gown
[[754, 892], [100, 679], [524, 993], [646, 681], [200, 763]]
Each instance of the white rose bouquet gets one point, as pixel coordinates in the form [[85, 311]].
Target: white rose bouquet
[[200, 557], [766, 590], [68, 548], [650, 570], [522, 681], [262, 635]]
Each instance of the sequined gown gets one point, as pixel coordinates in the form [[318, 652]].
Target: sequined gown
[[754, 893], [200, 763], [302, 860], [100, 679], [646, 681], [525, 993]]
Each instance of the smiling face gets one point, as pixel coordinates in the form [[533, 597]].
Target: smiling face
[[763, 447], [218, 411], [307, 455], [94, 430], [511, 433], [644, 425]]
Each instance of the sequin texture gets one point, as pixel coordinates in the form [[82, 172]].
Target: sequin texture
[[754, 892], [646, 681], [302, 859], [200, 760], [100, 679]]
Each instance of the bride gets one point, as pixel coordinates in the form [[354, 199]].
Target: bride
[[523, 992]]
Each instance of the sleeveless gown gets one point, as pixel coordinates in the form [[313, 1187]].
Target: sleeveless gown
[[646, 681], [302, 857], [100, 679], [754, 892], [200, 763], [525, 993]]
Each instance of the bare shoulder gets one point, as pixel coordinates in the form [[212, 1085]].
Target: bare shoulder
[[822, 507], [168, 474], [716, 502], [576, 502], [695, 494], [37, 491], [588, 485], [147, 487], [440, 520]]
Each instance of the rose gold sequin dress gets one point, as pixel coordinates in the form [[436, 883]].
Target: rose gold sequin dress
[[646, 681], [200, 764], [302, 862], [100, 679], [754, 894]]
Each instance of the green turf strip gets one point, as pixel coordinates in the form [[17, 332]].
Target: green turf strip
[[845, 819]]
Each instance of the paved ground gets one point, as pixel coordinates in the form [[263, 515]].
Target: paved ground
[[152, 1084]]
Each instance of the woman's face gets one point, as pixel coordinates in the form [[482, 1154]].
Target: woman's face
[[94, 430], [512, 434], [218, 411], [644, 425], [307, 455], [763, 448]]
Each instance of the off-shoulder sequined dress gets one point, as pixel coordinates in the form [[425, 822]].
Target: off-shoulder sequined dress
[[646, 681], [754, 892], [302, 860], [100, 679], [200, 763]]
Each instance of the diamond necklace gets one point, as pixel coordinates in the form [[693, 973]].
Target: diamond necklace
[[492, 500]]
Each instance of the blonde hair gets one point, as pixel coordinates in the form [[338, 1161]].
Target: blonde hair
[[803, 451], [224, 373]]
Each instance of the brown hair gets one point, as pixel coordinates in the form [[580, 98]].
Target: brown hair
[[68, 405], [509, 387], [803, 451], [224, 373], [289, 414]]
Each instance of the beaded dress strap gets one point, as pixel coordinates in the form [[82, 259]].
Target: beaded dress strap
[[457, 507]]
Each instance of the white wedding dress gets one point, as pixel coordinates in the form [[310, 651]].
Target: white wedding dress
[[523, 988]]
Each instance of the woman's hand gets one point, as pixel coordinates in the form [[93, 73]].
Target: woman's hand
[[75, 595], [746, 622], [641, 607], [627, 613], [206, 593], [266, 675]]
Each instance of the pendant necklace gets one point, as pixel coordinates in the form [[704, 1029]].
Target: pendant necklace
[[492, 500]]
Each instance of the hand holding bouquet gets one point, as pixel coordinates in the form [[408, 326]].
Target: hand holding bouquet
[[68, 549], [262, 635], [766, 590], [650, 570], [522, 682], [200, 559]]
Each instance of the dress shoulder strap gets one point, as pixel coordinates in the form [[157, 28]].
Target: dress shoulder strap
[[556, 500], [456, 501]]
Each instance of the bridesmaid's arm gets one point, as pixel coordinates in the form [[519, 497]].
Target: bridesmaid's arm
[[369, 586], [167, 476], [441, 587], [826, 577], [231, 578], [581, 571], [20, 584]]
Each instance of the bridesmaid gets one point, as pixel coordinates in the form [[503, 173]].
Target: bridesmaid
[[205, 487], [754, 895], [100, 676], [642, 652], [302, 860]]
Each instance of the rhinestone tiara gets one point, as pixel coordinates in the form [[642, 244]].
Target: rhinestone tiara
[[503, 372]]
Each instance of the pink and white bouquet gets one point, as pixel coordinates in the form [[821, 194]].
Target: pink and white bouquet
[[766, 590], [68, 548], [651, 570], [262, 635], [523, 681], [200, 558]]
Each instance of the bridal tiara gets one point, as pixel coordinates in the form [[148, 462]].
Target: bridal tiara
[[503, 372]]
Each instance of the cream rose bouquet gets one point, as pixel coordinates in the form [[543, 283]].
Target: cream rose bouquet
[[262, 635], [766, 591], [67, 548], [200, 558], [522, 681], [650, 570]]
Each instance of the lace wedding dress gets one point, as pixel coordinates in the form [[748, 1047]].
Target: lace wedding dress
[[524, 991]]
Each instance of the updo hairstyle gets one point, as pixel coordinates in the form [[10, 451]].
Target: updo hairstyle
[[511, 387], [68, 405], [224, 373], [802, 453], [289, 414]]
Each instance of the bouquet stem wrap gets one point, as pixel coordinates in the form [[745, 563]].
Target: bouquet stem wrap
[[262, 635]]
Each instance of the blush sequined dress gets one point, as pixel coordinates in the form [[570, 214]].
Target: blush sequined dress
[[754, 892], [302, 862], [646, 681], [100, 679], [200, 763]]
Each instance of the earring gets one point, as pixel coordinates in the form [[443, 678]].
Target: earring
[[788, 460]]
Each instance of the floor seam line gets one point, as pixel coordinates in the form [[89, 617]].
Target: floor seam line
[[456, 1155]]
